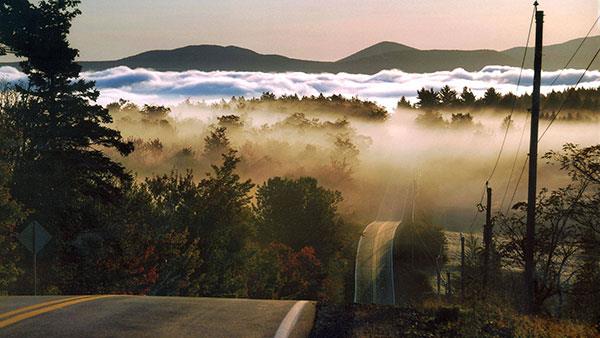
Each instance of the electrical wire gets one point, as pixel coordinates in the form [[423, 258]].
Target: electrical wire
[[514, 165], [514, 100], [554, 117], [517, 186], [576, 51], [569, 95]]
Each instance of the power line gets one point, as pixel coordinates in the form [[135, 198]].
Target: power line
[[554, 117], [576, 51], [514, 101], [517, 186], [514, 165], [569, 94]]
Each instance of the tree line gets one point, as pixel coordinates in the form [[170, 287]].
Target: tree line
[[577, 104]]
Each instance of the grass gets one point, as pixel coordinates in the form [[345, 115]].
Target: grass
[[436, 319]]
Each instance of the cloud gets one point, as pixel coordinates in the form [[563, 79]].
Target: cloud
[[386, 87]]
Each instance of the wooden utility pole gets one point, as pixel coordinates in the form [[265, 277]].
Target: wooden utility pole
[[533, 154], [487, 237], [462, 267]]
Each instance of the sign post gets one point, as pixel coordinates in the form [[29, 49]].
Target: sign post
[[34, 237]]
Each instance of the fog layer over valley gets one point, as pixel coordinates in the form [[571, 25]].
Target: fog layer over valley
[[386, 87], [349, 132], [374, 162]]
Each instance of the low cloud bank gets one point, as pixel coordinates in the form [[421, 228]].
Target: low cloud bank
[[386, 87]]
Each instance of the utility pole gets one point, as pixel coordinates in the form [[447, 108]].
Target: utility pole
[[533, 154], [487, 237], [462, 267]]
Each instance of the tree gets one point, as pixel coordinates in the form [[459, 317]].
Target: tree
[[60, 170], [448, 97], [556, 244], [467, 98], [460, 120], [298, 213], [344, 157], [430, 118], [278, 272], [216, 143], [10, 211], [566, 226], [427, 98], [491, 98], [223, 227], [403, 103], [421, 248]]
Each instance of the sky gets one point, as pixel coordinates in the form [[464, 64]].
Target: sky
[[317, 29]]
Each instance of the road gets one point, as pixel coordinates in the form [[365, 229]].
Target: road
[[374, 272], [139, 316]]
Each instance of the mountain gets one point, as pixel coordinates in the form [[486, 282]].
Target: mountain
[[557, 55], [209, 58], [378, 49], [384, 55], [423, 61]]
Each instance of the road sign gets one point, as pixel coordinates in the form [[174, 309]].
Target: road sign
[[42, 237]]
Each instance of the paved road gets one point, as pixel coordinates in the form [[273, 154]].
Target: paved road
[[135, 316], [374, 272]]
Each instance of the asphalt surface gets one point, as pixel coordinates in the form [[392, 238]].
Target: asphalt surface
[[138, 316], [374, 273]]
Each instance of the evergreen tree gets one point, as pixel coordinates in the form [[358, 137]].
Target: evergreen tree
[[298, 213], [467, 98], [216, 144], [448, 96], [61, 173], [491, 98], [10, 212], [428, 98]]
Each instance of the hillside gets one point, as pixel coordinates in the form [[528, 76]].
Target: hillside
[[383, 55]]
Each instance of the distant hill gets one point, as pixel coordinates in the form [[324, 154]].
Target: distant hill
[[556, 56], [378, 49], [384, 55], [209, 58]]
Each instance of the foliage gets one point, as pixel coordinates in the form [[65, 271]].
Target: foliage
[[216, 143], [10, 211], [278, 272], [566, 229], [420, 249], [60, 172], [576, 104], [334, 104]]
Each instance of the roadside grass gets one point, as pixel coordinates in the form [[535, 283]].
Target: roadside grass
[[438, 319]]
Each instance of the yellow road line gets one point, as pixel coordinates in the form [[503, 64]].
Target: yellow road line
[[37, 306], [50, 308]]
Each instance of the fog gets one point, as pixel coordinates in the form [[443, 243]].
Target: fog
[[374, 164], [147, 86]]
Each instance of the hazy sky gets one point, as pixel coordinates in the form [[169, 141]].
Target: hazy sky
[[318, 29]]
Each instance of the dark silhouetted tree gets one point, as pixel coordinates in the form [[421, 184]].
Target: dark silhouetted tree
[[60, 171], [467, 98], [427, 98], [448, 97], [298, 213]]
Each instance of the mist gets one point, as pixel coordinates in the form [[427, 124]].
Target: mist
[[375, 164], [146, 86]]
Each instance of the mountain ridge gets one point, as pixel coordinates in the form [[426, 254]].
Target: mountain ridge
[[369, 60]]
